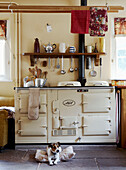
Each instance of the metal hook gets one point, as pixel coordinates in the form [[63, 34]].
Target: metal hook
[[9, 7], [108, 8]]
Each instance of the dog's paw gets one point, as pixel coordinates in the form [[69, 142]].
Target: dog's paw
[[55, 163], [50, 163]]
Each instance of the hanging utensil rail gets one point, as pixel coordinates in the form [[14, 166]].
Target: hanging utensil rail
[[33, 56], [49, 9]]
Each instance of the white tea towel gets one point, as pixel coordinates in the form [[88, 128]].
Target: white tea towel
[[33, 104]]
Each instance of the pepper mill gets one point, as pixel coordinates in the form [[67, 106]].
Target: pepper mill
[[36, 46]]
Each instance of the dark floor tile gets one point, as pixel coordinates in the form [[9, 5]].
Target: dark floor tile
[[76, 164], [86, 158], [117, 153], [29, 156], [112, 164], [17, 166], [112, 168], [12, 155]]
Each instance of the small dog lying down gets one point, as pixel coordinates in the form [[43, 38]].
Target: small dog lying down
[[53, 151], [65, 155]]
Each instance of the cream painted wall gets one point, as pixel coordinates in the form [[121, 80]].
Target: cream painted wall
[[62, 33], [34, 25]]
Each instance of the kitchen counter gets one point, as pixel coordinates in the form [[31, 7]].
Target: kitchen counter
[[121, 87]]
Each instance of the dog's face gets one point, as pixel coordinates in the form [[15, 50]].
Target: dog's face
[[55, 147]]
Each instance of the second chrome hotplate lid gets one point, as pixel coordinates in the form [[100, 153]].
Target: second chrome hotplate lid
[[97, 83]]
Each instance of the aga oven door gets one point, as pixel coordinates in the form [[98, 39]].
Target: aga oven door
[[66, 117], [23, 100], [96, 125], [96, 102], [32, 127]]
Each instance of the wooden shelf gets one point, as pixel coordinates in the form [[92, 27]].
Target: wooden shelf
[[65, 55]]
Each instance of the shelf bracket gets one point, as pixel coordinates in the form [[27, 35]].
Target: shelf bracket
[[97, 60]]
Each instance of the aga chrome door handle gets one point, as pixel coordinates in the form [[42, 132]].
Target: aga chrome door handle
[[56, 111], [75, 123], [109, 108], [42, 126], [84, 126], [84, 102]]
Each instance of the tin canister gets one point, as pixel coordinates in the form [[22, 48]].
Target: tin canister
[[102, 44]]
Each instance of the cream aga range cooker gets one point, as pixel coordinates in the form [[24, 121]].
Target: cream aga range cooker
[[67, 115]]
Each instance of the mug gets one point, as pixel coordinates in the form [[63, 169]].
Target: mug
[[62, 48], [72, 49], [89, 49]]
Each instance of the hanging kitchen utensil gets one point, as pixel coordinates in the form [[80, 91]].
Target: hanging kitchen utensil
[[62, 71], [93, 73], [100, 67], [58, 65], [71, 68], [44, 63], [76, 63], [53, 64], [45, 74], [38, 72], [49, 63], [32, 70], [88, 62]]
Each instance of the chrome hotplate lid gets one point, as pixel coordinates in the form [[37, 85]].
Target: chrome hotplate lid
[[97, 83], [69, 83]]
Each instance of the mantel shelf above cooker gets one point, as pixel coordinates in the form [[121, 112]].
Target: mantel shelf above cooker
[[65, 55]]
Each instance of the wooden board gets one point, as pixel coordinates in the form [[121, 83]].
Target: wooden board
[[51, 9], [123, 118]]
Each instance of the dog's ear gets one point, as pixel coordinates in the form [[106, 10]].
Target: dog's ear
[[58, 143], [50, 145]]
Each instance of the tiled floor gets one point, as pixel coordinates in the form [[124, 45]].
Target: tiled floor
[[88, 157]]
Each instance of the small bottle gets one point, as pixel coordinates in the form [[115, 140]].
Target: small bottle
[[36, 46], [95, 50]]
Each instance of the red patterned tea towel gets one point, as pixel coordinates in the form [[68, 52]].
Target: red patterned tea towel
[[80, 20]]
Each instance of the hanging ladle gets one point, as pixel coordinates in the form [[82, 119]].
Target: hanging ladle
[[71, 68], [93, 73], [58, 65], [62, 71]]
